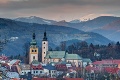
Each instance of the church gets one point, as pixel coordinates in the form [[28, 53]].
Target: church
[[53, 56]]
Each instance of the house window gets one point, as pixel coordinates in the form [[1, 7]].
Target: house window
[[34, 71], [44, 47], [44, 42], [44, 52], [33, 57], [40, 71]]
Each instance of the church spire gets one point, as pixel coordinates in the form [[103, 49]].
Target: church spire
[[34, 36], [33, 42], [45, 37]]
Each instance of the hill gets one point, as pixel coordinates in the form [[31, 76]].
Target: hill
[[19, 33], [107, 26], [34, 19]]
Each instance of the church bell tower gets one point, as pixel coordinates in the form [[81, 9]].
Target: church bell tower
[[33, 53], [44, 47]]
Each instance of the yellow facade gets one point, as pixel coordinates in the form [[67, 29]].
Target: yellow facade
[[34, 50], [33, 55]]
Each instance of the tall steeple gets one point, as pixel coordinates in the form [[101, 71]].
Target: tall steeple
[[44, 47], [33, 53]]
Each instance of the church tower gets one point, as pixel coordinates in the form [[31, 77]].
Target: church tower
[[33, 53], [44, 47]]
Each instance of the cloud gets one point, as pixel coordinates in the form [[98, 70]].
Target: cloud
[[57, 9], [93, 15]]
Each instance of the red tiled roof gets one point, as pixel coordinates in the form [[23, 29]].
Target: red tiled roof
[[39, 67], [107, 62], [17, 62], [96, 69], [111, 70], [3, 57]]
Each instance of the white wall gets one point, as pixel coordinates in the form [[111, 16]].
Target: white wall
[[37, 72], [44, 49], [24, 72], [31, 57]]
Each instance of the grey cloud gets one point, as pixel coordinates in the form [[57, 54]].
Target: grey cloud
[[51, 8], [23, 4]]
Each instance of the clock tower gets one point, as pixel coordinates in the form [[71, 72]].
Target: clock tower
[[33, 53]]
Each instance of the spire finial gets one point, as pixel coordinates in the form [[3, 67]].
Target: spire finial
[[45, 37], [33, 36]]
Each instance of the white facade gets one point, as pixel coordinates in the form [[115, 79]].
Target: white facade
[[37, 72], [33, 57], [24, 72], [75, 62], [53, 73], [44, 50]]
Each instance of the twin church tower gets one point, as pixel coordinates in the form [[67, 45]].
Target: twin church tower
[[33, 53]]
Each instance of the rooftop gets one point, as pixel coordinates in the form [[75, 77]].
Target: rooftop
[[73, 56], [55, 54], [25, 67]]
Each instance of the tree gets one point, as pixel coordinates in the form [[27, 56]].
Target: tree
[[26, 52], [63, 45], [57, 48]]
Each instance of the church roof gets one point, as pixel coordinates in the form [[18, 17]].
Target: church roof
[[55, 54], [61, 54], [73, 56], [33, 42], [35, 62], [86, 60]]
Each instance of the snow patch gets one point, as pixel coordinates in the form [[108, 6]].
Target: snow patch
[[13, 38], [47, 21], [92, 16]]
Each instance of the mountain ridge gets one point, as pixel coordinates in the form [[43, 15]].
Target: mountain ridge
[[21, 33]]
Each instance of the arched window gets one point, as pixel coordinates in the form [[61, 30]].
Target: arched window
[[33, 57]]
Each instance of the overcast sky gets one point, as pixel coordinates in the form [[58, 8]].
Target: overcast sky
[[59, 9]]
